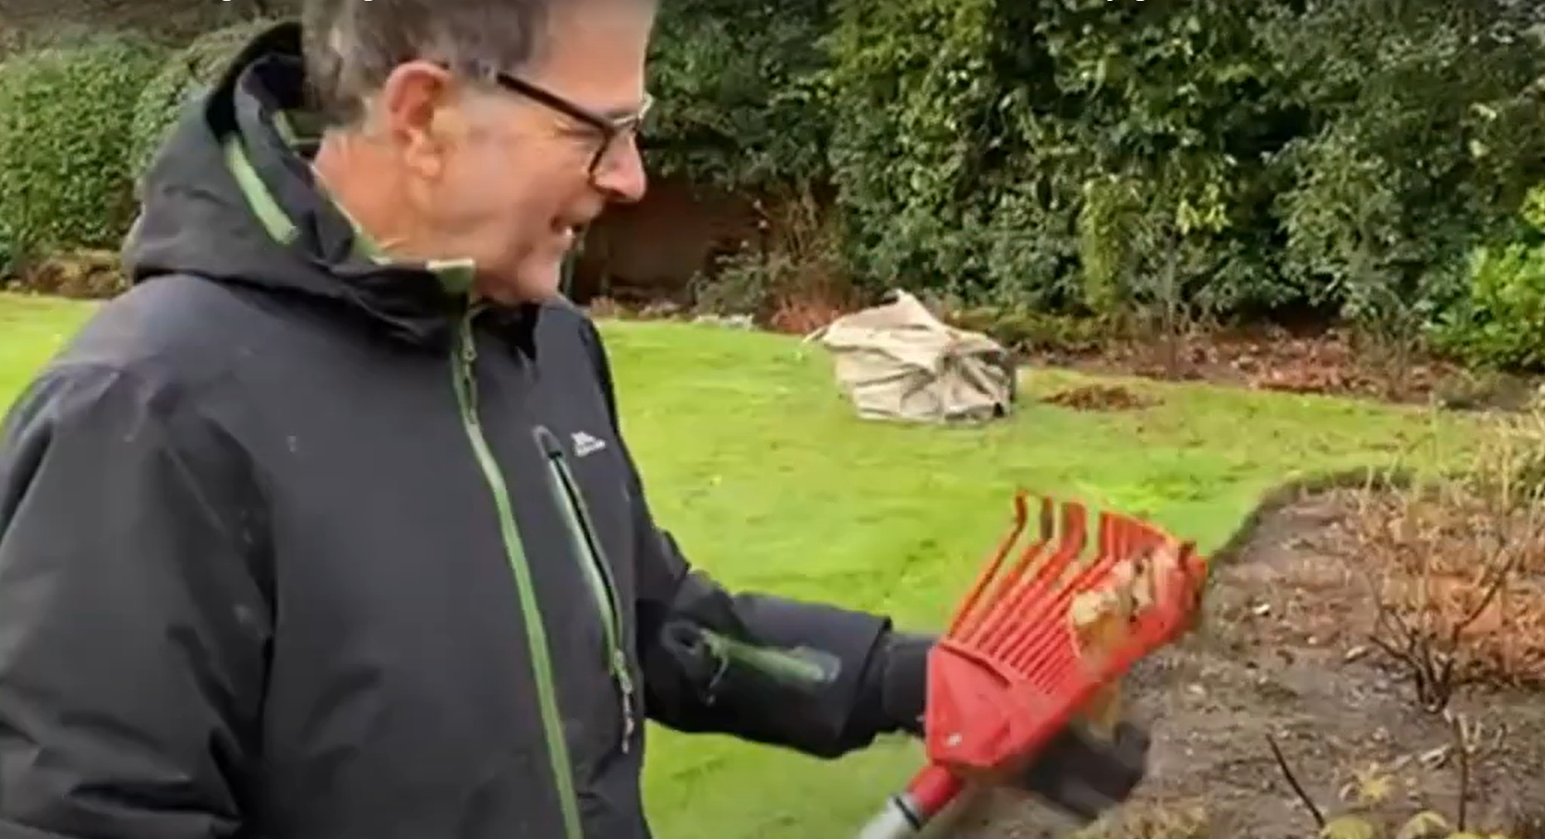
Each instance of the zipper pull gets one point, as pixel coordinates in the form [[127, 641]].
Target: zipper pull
[[625, 685], [466, 352]]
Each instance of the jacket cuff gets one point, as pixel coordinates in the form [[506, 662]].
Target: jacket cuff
[[899, 688]]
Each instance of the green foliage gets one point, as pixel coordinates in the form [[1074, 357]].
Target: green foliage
[[914, 82], [184, 75], [1422, 136], [1500, 323], [1164, 112], [7, 257], [741, 97], [1055, 152], [1027, 330], [1212, 156], [1138, 162], [65, 113]]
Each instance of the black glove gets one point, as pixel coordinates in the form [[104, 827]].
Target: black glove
[[1077, 772]]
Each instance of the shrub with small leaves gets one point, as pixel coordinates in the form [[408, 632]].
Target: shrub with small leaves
[[1500, 321], [65, 112], [1501, 325], [740, 92], [186, 74]]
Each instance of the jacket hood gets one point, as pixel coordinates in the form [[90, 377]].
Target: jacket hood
[[231, 197]]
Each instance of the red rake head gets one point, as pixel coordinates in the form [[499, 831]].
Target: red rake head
[[1016, 664]]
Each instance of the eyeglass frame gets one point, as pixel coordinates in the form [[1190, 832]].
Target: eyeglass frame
[[610, 128]]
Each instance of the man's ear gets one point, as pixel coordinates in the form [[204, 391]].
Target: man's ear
[[418, 110]]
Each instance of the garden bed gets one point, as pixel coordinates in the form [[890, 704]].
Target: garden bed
[[1292, 651]]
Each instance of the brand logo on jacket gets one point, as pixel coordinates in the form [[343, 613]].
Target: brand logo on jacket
[[585, 444]]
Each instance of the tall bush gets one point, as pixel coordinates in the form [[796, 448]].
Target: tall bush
[[913, 89], [1222, 157], [65, 112], [1124, 159], [742, 104], [1422, 138], [1156, 130], [978, 133], [1500, 321]]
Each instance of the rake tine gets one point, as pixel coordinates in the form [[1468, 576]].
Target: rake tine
[[991, 607], [968, 604], [1150, 628], [1110, 535], [1142, 535], [1048, 522], [993, 583], [1058, 660], [1008, 614], [1062, 682], [1062, 665], [1022, 656], [1018, 629], [1038, 650], [1027, 559], [1048, 603], [1074, 538]]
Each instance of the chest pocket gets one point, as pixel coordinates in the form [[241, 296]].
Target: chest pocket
[[595, 519], [587, 481]]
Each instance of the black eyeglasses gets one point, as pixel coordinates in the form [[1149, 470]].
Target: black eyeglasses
[[611, 129]]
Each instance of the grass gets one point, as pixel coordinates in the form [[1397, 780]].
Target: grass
[[30, 329], [760, 468]]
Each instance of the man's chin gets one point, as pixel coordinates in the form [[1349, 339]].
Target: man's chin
[[532, 283]]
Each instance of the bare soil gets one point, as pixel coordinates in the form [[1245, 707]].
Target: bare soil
[[1100, 398], [1284, 652], [1307, 360]]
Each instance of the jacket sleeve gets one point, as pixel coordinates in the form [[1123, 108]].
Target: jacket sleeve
[[767, 669], [132, 626]]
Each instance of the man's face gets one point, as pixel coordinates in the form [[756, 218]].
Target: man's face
[[504, 178]]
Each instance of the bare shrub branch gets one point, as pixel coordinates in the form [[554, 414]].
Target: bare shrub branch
[[1457, 574], [1298, 789]]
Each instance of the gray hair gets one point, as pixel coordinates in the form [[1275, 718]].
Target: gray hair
[[351, 46]]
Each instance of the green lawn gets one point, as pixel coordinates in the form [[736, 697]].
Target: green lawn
[[30, 329], [760, 468]]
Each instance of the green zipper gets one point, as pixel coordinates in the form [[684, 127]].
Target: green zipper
[[588, 545], [463, 362]]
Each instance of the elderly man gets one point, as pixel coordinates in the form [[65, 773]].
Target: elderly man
[[326, 530]]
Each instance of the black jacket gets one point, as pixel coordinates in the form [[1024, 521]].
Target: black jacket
[[298, 544]]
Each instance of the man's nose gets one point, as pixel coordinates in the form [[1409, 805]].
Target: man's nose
[[621, 174]]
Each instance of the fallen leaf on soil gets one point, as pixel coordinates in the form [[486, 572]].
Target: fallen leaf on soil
[[1100, 398]]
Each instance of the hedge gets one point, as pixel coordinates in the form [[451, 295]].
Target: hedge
[[1134, 160], [67, 181]]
